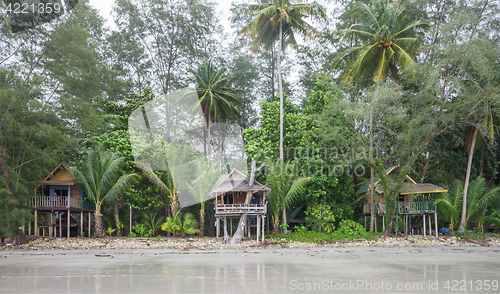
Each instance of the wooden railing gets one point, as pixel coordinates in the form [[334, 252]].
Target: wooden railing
[[415, 207], [240, 208], [54, 202]]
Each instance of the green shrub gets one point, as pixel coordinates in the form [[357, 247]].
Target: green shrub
[[351, 229], [132, 235], [142, 230]]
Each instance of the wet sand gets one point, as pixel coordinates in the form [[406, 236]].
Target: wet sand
[[316, 270]]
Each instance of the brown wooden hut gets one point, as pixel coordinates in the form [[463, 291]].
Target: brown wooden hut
[[59, 206], [415, 204], [234, 198]]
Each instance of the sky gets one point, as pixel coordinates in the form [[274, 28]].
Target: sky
[[105, 7]]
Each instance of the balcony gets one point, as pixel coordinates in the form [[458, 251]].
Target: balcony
[[415, 207], [236, 209], [54, 202]]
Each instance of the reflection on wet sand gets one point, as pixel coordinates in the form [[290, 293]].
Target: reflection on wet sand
[[261, 271]]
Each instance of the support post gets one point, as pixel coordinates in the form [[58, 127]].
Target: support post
[[50, 224], [375, 223], [217, 227], [249, 221], [90, 224], [383, 223], [60, 224], [231, 225], [81, 223], [36, 223], [130, 219], [225, 229], [69, 223], [365, 222], [258, 228], [263, 227], [29, 228], [436, 222], [424, 223], [430, 225]]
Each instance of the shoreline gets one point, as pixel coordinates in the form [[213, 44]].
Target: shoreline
[[211, 243]]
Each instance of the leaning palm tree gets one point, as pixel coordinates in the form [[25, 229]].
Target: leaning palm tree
[[101, 179], [278, 20], [387, 46], [216, 97], [286, 186], [450, 203]]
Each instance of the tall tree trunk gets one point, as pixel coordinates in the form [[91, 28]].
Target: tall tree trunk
[[281, 91], [209, 140], [463, 221], [117, 219], [99, 232], [273, 96], [284, 219], [202, 219], [372, 175]]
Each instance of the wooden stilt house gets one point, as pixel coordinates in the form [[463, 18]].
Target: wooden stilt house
[[415, 204], [59, 206], [234, 198]]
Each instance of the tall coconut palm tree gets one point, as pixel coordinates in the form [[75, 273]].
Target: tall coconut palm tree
[[486, 127], [388, 45], [279, 20], [100, 176], [285, 184], [216, 97]]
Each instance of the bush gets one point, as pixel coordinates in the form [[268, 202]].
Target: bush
[[132, 235], [351, 229], [143, 230]]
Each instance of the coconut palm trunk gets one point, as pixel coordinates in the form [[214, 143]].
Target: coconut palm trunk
[[281, 90], [463, 221], [99, 231], [372, 176]]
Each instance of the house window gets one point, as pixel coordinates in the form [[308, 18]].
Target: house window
[[59, 192], [228, 199]]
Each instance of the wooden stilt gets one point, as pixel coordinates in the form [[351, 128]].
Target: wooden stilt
[[249, 221], [90, 224], [436, 223], [217, 228], [130, 219], [263, 227], [81, 224], [424, 223], [376, 224], [410, 229], [36, 223], [225, 229], [231, 225], [51, 224], [383, 223], [60, 224], [69, 223], [29, 228], [365, 222], [258, 228], [430, 225]]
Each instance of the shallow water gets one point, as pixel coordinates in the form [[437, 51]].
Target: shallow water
[[357, 270]]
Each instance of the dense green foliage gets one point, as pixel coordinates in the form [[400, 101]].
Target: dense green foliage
[[427, 71]]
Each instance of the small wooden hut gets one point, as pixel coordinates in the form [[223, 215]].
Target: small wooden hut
[[415, 204], [234, 198], [59, 197]]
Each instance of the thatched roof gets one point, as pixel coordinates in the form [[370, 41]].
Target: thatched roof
[[408, 187], [237, 181]]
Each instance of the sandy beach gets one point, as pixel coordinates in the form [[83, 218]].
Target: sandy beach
[[464, 268]]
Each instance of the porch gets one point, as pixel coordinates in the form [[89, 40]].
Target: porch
[[54, 202]]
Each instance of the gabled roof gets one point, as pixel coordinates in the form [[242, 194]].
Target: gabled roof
[[406, 189], [61, 176], [237, 181]]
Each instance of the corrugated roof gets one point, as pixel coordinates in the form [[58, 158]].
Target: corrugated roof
[[237, 181]]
